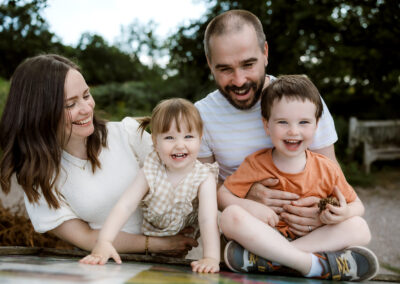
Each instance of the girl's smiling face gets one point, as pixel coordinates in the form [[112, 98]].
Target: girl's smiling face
[[178, 150]]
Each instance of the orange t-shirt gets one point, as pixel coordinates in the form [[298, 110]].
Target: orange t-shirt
[[318, 178]]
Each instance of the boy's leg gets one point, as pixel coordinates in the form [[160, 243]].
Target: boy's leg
[[354, 264], [259, 238], [352, 232]]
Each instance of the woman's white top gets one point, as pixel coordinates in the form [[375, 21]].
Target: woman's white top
[[90, 197]]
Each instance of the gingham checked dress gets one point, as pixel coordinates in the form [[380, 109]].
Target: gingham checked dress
[[167, 209]]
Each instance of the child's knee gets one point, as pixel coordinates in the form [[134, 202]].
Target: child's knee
[[231, 218], [360, 228]]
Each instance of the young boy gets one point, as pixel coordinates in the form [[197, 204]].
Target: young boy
[[291, 107]]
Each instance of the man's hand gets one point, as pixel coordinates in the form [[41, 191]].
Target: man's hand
[[302, 215], [273, 198]]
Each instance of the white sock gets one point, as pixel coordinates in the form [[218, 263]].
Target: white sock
[[316, 267]]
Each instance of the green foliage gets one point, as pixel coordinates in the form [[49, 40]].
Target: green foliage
[[23, 33], [348, 48], [4, 88]]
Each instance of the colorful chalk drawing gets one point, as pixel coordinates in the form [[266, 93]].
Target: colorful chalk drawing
[[60, 270]]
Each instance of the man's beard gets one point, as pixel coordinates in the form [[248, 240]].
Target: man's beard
[[249, 103]]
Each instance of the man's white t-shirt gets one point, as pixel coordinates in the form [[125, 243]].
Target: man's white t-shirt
[[231, 134], [90, 197]]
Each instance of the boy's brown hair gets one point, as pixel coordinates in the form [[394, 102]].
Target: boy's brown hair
[[291, 87]]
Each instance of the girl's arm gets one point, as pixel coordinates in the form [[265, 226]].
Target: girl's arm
[[119, 215], [334, 215], [258, 210], [208, 216]]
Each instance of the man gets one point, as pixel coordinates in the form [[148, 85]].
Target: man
[[237, 54]]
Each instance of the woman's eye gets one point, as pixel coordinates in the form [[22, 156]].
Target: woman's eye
[[70, 105], [189, 136], [168, 137], [282, 122]]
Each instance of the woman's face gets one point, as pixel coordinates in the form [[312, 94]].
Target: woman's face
[[79, 106]]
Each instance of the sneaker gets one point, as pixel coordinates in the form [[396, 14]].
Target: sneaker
[[239, 259], [351, 264]]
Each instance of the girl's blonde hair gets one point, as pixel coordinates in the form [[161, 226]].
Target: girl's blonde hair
[[167, 111]]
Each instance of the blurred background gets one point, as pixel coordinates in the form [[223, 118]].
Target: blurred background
[[349, 49]]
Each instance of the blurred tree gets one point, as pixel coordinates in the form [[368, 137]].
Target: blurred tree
[[102, 63], [23, 33], [348, 48]]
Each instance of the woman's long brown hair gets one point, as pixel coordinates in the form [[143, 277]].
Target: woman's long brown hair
[[32, 128]]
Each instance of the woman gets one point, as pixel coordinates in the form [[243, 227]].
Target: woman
[[72, 166]]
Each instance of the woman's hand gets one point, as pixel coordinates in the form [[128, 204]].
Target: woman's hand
[[273, 198], [302, 215]]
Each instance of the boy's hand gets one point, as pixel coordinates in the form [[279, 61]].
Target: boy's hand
[[335, 214], [205, 265], [102, 251], [264, 213]]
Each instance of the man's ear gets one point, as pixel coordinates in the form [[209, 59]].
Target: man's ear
[[266, 127], [265, 53]]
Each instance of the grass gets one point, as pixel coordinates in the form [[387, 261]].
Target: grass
[[390, 268]]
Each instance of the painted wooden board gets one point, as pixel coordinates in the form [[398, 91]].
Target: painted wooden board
[[35, 265]]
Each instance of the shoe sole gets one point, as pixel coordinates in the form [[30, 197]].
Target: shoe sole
[[226, 257], [371, 257]]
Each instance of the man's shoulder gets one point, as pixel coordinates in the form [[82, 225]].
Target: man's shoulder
[[213, 99]]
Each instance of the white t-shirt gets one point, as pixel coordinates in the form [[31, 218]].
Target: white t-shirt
[[231, 134], [90, 197]]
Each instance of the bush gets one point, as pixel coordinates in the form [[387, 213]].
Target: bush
[[4, 88]]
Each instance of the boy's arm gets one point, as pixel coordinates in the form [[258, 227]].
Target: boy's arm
[[208, 216], [258, 210], [336, 214]]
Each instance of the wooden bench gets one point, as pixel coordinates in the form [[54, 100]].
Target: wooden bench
[[381, 139]]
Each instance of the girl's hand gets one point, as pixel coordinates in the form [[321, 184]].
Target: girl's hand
[[101, 253], [335, 214], [205, 265]]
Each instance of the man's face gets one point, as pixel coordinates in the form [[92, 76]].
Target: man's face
[[238, 66]]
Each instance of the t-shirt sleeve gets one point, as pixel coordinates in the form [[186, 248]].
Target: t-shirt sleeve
[[141, 145], [205, 150], [45, 219], [326, 134], [346, 189], [240, 182]]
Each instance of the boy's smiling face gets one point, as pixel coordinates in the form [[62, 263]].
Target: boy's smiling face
[[291, 126]]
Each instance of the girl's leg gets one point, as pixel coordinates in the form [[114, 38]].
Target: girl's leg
[[262, 240], [352, 232]]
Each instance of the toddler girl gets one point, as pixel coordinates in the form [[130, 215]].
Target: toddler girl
[[173, 188]]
